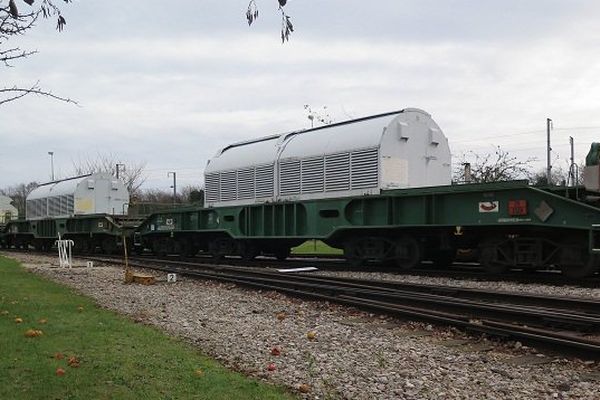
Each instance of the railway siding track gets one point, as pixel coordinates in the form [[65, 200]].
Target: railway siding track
[[556, 323]]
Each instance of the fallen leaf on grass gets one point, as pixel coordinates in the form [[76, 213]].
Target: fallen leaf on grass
[[80, 308], [4, 312], [73, 362], [60, 372], [43, 321], [59, 356], [199, 372], [18, 320], [33, 333]]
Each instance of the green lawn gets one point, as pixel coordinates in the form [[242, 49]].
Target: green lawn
[[315, 247], [118, 359]]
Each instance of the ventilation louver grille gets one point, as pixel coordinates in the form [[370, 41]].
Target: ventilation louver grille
[[313, 175], [365, 169], [331, 173], [242, 184], [245, 183], [228, 186], [289, 178], [337, 172], [211, 187], [265, 181], [54, 206]]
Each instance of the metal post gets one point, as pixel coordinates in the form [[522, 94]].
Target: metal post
[[467, 172], [572, 149], [51, 153], [174, 186], [549, 151], [118, 167], [572, 176]]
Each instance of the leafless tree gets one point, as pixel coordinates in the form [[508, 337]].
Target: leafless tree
[[560, 176], [493, 167], [155, 196], [131, 173], [188, 194], [18, 194], [17, 20], [192, 194], [286, 22]]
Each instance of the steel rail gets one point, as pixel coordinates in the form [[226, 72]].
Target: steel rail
[[571, 305], [359, 296]]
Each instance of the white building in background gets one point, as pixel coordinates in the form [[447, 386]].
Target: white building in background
[[7, 210]]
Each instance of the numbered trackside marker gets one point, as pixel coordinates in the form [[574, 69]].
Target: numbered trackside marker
[[171, 278]]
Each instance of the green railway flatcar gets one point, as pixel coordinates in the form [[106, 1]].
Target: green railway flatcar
[[379, 189]]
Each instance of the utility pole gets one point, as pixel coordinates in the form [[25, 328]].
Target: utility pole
[[572, 176], [174, 186], [549, 151], [51, 154], [118, 167]]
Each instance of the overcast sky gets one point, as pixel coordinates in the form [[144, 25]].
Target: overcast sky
[[169, 83]]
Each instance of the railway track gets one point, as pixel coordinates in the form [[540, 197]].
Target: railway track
[[561, 324], [458, 270], [471, 271]]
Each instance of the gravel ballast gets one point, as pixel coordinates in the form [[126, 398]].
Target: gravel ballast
[[353, 354]]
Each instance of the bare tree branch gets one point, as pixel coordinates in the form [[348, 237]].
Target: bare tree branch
[[133, 176], [15, 93], [496, 167], [15, 23]]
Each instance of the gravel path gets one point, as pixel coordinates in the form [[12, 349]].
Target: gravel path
[[354, 355]]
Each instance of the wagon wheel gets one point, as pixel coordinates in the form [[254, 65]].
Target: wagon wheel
[[352, 253], [159, 247], [185, 248], [589, 264], [85, 246], [109, 246], [444, 258], [248, 251], [407, 253], [46, 246], [282, 253], [219, 248], [491, 257]]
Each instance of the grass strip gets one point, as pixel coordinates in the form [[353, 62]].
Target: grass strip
[[103, 355], [315, 247]]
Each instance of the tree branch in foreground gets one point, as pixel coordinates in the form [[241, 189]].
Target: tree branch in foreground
[[14, 93]]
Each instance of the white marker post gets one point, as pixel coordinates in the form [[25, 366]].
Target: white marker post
[[64, 252]]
